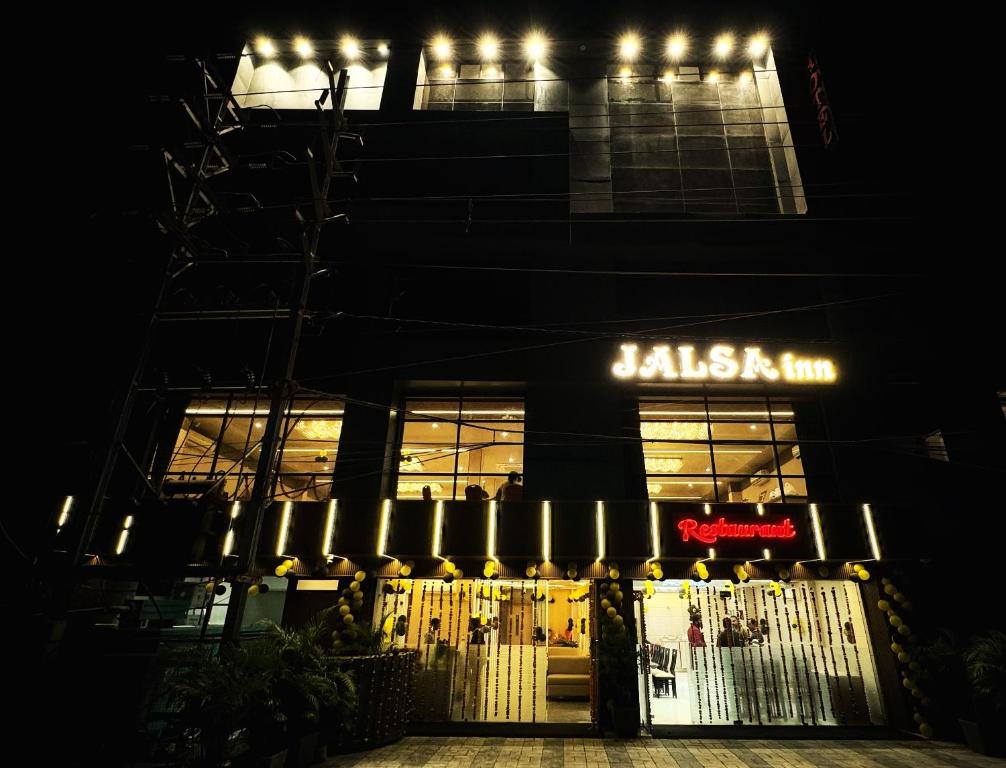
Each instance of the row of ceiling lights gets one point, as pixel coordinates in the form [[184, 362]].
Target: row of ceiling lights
[[349, 47], [535, 45], [630, 46]]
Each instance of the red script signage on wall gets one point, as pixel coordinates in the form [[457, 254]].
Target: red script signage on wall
[[710, 533]]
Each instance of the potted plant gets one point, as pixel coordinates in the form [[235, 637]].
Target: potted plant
[[306, 684], [985, 663], [220, 693]]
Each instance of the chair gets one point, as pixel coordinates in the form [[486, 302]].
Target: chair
[[664, 679]]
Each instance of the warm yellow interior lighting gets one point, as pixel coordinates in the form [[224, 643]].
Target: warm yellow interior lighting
[[350, 48], [303, 47], [264, 47], [488, 47], [758, 45], [677, 44], [534, 46], [629, 46], [723, 46], [441, 48]]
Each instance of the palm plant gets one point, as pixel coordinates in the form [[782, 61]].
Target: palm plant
[[219, 692], [307, 681], [985, 661]]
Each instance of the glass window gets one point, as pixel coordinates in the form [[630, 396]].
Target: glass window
[[452, 444], [455, 77], [714, 449], [291, 74], [217, 449]]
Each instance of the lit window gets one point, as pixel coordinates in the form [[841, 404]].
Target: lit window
[[708, 449], [459, 448], [218, 447]]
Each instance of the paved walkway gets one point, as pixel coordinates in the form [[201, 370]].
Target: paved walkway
[[449, 752]]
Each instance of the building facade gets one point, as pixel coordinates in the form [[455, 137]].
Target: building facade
[[558, 340]]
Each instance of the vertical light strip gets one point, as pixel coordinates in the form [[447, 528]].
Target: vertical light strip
[[546, 531], [330, 517], [64, 515], [815, 520], [229, 537], [767, 554], [599, 529], [491, 531], [438, 528], [229, 542], [284, 528], [382, 533], [761, 509], [871, 531], [655, 529], [120, 547], [707, 508], [712, 553]]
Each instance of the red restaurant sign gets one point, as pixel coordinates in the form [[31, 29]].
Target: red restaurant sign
[[710, 533]]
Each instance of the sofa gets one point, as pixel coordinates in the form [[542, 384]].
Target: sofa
[[568, 673]]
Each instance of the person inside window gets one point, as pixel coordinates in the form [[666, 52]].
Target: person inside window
[[512, 489], [727, 638], [569, 631], [695, 637]]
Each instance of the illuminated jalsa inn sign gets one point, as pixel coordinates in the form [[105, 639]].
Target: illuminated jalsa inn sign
[[720, 362]]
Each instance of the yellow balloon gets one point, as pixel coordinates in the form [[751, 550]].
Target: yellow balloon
[[899, 597], [614, 573], [459, 574], [857, 567], [405, 570], [280, 570], [343, 610], [864, 575], [487, 571], [450, 567], [890, 589], [618, 597], [926, 730], [904, 658], [605, 604], [288, 563], [360, 576], [348, 618], [210, 586], [658, 575], [896, 648], [354, 586], [883, 605], [904, 630], [895, 620], [618, 620], [530, 571], [253, 589], [611, 611]]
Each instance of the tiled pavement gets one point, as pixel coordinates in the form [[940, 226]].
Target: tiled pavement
[[450, 751]]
